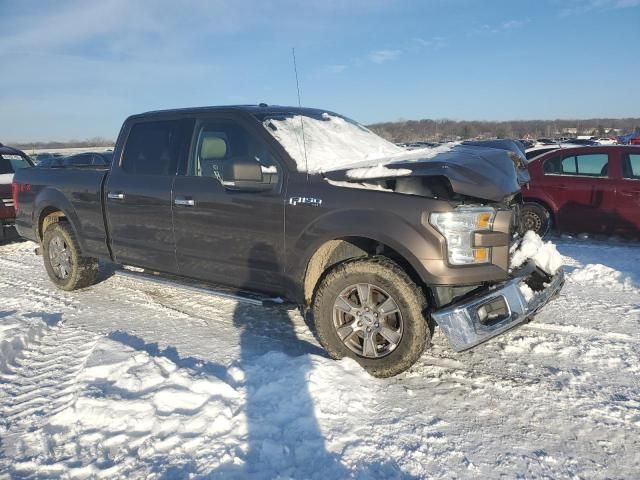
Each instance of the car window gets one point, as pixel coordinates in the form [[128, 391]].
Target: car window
[[223, 144], [153, 148], [80, 160], [631, 166], [589, 165], [537, 152], [10, 163]]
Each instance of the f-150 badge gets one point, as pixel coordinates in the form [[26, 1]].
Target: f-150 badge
[[314, 202]]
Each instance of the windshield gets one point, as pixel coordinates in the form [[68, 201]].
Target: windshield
[[10, 163], [330, 141]]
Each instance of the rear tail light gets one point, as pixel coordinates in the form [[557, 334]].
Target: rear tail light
[[16, 188], [14, 195]]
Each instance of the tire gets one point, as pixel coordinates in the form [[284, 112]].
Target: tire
[[537, 218], [66, 267], [408, 327]]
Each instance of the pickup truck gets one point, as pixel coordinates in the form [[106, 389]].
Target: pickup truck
[[11, 160], [377, 244]]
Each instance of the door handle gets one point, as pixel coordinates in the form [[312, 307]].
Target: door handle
[[115, 196], [629, 193], [184, 201], [563, 187]]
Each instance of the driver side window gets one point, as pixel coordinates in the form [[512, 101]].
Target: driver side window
[[238, 159]]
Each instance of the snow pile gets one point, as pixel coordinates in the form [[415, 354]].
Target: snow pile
[[137, 406], [378, 171], [544, 255], [334, 143], [601, 275]]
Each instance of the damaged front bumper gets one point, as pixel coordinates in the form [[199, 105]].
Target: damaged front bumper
[[482, 316]]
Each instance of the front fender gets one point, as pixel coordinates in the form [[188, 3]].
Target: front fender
[[410, 243]]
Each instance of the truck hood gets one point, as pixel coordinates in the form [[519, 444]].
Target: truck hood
[[491, 170]]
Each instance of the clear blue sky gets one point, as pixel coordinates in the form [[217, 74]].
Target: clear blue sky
[[72, 69]]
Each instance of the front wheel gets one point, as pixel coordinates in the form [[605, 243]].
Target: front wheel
[[537, 218], [66, 267], [371, 311]]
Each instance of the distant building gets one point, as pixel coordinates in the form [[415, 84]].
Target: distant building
[[570, 131]]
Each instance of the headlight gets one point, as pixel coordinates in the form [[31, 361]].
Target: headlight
[[458, 226]]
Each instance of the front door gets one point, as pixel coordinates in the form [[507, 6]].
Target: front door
[[138, 194], [228, 209]]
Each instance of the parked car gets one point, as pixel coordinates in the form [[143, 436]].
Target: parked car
[[85, 159], [582, 141], [584, 189], [236, 196], [11, 160], [47, 159]]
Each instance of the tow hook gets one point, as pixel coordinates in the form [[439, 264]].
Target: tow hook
[[38, 251]]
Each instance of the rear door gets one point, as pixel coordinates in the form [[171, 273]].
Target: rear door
[[138, 193], [628, 192], [583, 190], [229, 231]]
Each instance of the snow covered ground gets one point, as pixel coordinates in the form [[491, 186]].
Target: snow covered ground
[[128, 379]]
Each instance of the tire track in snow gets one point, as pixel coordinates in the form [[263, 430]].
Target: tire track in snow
[[43, 379]]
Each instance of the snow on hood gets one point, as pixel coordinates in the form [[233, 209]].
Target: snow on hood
[[330, 143]]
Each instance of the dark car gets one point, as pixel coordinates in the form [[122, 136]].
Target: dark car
[[11, 160], [380, 251], [584, 189], [85, 159]]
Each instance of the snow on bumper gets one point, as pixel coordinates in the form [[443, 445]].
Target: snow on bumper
[[468, 323]]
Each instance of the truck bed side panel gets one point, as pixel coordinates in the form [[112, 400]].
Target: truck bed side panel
[[75, 191]]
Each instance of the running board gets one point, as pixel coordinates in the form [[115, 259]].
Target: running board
[[208, 289]]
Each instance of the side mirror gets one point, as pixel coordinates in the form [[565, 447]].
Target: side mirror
[[243, 174]]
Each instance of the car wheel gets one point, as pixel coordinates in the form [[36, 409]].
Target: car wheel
[[66, 267], [537, 218], [371, 311]]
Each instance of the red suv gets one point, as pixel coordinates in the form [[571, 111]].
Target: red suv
[[11, 159], [584, 189]]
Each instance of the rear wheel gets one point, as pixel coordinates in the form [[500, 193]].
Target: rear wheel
[[66, 267], [371, 311], [536, 217]]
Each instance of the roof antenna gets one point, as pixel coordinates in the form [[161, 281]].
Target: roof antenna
[[304, 143]]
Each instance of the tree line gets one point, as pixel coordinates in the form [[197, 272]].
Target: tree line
[[446, 130]]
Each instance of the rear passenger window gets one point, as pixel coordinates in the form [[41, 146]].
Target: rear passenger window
[[631, 166], [155, 148], [589, 165]]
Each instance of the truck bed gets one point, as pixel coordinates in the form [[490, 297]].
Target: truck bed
[[78, 192]]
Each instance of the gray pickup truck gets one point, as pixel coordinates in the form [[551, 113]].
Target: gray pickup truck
[[379, 245]]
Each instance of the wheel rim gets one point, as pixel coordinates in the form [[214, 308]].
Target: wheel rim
[[60, 257], [368, 320], [532, 221]]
